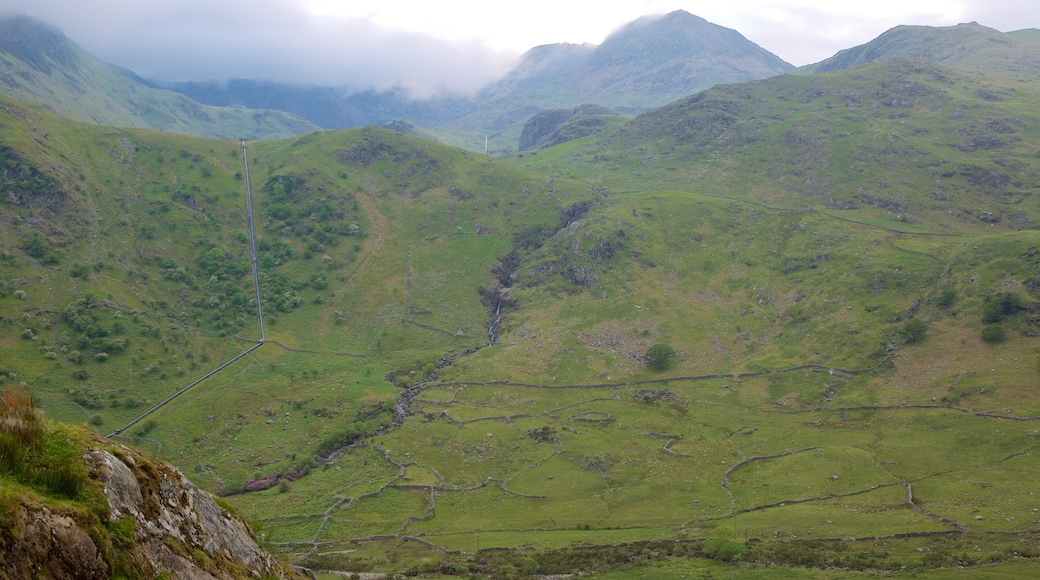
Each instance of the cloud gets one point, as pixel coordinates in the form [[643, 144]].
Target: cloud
[[265, 39], [427, 46]]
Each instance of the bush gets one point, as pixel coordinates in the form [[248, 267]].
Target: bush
[[659, 356], [35, 246], [914, 330], [993, 334], [721, 545], [528, 566], [1001, 305]]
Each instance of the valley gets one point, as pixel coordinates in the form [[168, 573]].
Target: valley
[[777, 328]]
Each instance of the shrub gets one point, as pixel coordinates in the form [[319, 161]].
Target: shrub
[[721, 545], [1001, 305], [914, 330], [528, 566], [35, 246], [993, 334], [147, 427]]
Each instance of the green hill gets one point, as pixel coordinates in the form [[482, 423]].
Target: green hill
[[39, 64], [969, 47], [906, 144], [838, 271]]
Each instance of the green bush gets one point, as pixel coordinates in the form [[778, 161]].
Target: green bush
[[993, 334], [914, 330], [659, 356], [1001, 305], [722, 545], [528, 566]]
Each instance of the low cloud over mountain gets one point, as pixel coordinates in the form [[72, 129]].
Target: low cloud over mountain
[[266, 39]]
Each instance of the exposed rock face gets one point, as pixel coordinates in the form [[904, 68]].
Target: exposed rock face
[[157, 522], [174, 520], [48, 544]]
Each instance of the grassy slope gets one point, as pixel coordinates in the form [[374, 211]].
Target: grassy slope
[[742, 263], [1029, 36], [905, 144], [969, 47]]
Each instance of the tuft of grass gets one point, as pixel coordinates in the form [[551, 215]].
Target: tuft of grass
[[33, 454], [21, 428]]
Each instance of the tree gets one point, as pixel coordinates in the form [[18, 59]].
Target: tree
[[914, 330], [1001, 305], [35, 246], [659, 356]]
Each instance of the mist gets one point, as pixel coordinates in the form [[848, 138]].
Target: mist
[[272, 40]]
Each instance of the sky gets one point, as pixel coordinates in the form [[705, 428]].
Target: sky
[[450, 45]]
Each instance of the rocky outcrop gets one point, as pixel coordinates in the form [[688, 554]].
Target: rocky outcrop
[[177, 528], [48, 542], [136, 517]]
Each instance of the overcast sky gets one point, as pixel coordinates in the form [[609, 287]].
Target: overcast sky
[[457, 45]]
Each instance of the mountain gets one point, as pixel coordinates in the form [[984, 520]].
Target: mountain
[[39, 64], [649, 62], [966, 47]]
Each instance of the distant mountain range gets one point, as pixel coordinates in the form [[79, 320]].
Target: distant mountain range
[[650, 62]]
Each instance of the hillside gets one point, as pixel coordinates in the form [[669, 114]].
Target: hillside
[[39, 64], [783, 322], [969, 47], [907, 144], [557, 126], [1029, 36]]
